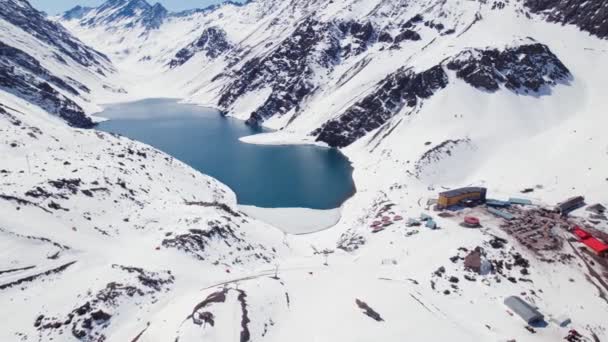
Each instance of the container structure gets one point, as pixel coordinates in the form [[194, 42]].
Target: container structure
[[524, 310]]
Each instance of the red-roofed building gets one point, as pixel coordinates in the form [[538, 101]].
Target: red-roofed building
[[597, 246], [581, 234]]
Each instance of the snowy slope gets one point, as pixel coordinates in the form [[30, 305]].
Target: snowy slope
[[421, 95], [111, 227], [43, 63]]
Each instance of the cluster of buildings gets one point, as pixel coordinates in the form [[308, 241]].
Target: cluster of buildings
[[533, 228]]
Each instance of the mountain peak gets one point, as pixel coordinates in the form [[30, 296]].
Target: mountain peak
[[128, 13]]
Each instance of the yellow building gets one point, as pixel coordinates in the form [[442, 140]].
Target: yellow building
[[457, 196]]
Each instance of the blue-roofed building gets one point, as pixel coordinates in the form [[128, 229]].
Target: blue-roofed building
[[500, 213], [497, 203], [520, 201]]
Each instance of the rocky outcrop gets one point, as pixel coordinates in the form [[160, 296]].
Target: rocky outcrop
[[212, 43], [361, 37], [590, 16], [23, 76], [523, 69], [154, 16], [200, 242], [288, 70], [30, 20], [440, 152], [77, 12], [402, 88], [125, 13], [88, 320]]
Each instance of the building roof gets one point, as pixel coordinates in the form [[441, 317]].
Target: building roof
[[521, 201], [473, 261], [524, 310], [497, 203], [596, 245], [462, 191], [501, 213], [572, 201], [582, 234]]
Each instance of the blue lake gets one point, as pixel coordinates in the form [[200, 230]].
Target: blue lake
[[264, 176]]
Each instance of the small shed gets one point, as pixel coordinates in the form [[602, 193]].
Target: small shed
[[473, 261], [425, 217], [597, 208], [524, 310], [431, 224], [411, 222], [563, 320]]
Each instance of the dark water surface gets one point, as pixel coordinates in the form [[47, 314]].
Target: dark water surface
[[264, 176]]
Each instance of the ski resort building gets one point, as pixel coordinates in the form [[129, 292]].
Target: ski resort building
[[597, 246], [570, 204], [501, 213], [524, 310], [580, 233], [600, 248], [520, 201], [458, 196]]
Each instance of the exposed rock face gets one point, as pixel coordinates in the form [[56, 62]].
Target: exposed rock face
[[440, 152], [88, 321], [22, 75], [288, 70], [126, 13], [199, 242], [407, 35], [30, 20], [212, 43], [76, 13], [590, 16], [400, 89], [522, 69], [362, 36], [154, 16]]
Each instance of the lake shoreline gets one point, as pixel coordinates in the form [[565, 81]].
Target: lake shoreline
[[269, 169], [295, 221]]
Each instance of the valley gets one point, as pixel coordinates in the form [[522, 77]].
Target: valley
[[105, 238]]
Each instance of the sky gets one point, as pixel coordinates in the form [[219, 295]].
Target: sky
[[59, 6]]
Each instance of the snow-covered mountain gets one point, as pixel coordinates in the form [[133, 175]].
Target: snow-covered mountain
[[44, 64], [119, 14], [356, 73], [106, 239]]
